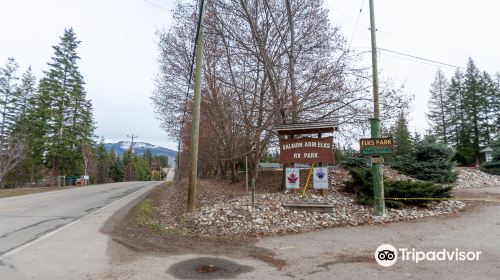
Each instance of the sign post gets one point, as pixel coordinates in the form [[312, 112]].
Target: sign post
[[378, 177], [292, 178], [320, 180]]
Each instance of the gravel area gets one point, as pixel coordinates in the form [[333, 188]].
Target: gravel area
[[269, 217], [225, 211], [475, 178]]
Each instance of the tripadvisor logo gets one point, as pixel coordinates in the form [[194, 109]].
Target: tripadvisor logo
[[387, 255]]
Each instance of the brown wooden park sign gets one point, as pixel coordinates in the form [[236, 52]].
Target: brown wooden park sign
[[306, 150]]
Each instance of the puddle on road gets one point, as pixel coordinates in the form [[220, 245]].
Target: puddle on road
[[207, 268]]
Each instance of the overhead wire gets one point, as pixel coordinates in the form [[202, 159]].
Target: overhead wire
[[155, 5], [420, 58], [198, 27], [357, 23]]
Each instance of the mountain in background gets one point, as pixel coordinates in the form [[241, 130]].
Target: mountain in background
[[139, 148]]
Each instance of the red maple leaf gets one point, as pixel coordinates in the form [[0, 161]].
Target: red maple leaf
[[292, 178]]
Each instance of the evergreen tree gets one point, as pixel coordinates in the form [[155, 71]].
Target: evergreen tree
[[402, 137], [487, 113], [24, 127], [455, 109], [495, 106], [26, 93], [475, 102], [70, 120], [438, 107], [103, 163], [9, 102], [116, 169]]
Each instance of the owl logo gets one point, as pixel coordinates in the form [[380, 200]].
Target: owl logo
[[320, 174]]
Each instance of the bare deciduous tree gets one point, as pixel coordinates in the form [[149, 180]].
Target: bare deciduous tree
[[11, 155]]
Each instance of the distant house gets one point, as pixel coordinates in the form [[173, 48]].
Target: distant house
[[277, 166], [269, 166], [488, 154]]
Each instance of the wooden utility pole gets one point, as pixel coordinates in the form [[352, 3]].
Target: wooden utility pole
[[177, 160], [195, 127], [132, 136], [378, 177]]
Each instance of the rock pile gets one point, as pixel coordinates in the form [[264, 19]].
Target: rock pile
[[475, 178], [269, 217]]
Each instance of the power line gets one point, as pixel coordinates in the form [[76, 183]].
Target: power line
[[348, 17], [155, 5], [191, 67], [357, 23], [198, 26], [436, 45], [420, 58]]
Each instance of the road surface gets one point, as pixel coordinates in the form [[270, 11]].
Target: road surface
[[76, 249], [29, 220]]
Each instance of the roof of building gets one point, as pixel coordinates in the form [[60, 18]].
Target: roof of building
[[269, 165], [305, 128], [486, 150]]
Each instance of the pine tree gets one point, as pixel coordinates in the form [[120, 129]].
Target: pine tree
[[26, 93], [70, 120], [438, 107], [25, 127], [9, 102], [495, 105], [487, 113], [116, 169], [12, 143], [103, 163], [455, 108], [402, 137], [475, 102]]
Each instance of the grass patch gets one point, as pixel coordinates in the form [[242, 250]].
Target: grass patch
[[145, 213], [24, 191]]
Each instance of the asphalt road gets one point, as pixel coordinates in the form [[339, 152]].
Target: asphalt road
[[26, 218]]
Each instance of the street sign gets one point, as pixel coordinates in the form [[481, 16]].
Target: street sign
[[376, 146], [377, 160], [292, 178], [320, 181], [306, 150]]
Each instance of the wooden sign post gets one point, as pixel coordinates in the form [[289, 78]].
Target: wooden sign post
[[307, 150]]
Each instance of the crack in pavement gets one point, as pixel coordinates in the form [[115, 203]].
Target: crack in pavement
[[36, 236], [33, 225]]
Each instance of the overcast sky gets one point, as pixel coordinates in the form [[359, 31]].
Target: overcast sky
[[119, 51]]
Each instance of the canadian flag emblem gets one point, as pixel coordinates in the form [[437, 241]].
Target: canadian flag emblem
[[292, 178]]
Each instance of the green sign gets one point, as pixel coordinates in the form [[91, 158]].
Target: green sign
[[376, 146]]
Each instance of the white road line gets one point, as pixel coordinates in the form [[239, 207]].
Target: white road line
[[16, 250]]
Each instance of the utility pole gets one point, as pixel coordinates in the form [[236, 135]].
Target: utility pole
[[132, 136], [246, 174], [177, 160], [195, 127], [378, 177]]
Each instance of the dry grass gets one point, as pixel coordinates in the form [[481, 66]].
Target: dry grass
[[24, 191]]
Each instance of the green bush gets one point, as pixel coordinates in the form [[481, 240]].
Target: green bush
[[362, 186], [429, 162], [465, 156], [491, 167], [354, 162]]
